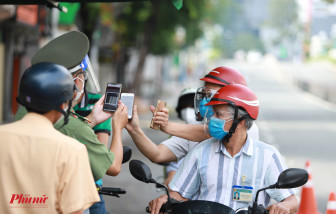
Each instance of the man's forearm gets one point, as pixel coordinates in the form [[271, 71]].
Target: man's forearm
[[177, 196], [192, 132], [103, 138], [92, 122], [117, 148], [291, 203], [155, 153]]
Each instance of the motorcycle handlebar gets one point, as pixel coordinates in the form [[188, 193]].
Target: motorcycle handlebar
[[164, 208], [111, 191], [259, 209], [161, 210]]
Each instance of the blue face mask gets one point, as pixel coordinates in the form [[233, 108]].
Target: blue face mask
[[203, 109], [216, 128]]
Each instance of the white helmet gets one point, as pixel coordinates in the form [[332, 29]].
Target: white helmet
[[185, 99]]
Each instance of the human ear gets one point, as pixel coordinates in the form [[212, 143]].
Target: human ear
[[64, 106]]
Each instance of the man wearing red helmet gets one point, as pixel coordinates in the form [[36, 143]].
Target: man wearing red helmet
[[170, 150], [231, 161], [213, 81]]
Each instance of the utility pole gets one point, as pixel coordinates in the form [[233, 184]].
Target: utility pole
[[306, 44]]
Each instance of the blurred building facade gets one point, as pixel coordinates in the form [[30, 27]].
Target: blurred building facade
[[20, 30], [316, 30], [322, 30], [23, 30]]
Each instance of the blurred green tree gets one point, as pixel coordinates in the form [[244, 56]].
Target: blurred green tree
[[247, 41], [89, 18], [233, 32], [150, 28], [284, 20]]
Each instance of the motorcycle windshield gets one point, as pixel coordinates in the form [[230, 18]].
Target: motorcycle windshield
[[200, 207]]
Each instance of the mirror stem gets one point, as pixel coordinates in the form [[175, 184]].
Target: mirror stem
[[167, 192], [256, 198]]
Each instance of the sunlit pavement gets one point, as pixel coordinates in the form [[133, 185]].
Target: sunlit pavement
[[301, 126], [138, 193]]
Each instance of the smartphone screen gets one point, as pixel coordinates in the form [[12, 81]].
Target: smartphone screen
[[128, 100], [112, 96]]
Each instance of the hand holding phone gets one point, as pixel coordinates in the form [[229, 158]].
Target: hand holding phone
[[128, 100], [112, 96], [160, 104]]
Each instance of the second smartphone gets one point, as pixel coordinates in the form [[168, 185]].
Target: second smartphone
[[128, 100]]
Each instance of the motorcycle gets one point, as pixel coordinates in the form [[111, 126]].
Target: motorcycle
[[290, 178], [111, 191]]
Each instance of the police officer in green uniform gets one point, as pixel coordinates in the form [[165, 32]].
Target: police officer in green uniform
[[70, 50], [84, 108], [102, 130]]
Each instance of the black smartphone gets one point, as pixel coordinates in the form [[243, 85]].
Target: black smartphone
[[128, 100], [112, 96]]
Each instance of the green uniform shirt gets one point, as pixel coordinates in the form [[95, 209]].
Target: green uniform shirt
[[84, 109], [88, 103], [100, 157]]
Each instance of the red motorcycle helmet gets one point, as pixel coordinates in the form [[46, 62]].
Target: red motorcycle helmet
[[239, 96], [224, 76]]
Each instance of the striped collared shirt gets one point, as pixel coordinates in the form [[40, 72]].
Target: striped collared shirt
[[209, 172]]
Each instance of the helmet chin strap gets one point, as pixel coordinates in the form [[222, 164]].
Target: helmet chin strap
[[65, 113], [235, 123], [199, 117]]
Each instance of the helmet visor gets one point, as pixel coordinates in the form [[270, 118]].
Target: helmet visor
[[90, 75], [226, 115], [203, 95]]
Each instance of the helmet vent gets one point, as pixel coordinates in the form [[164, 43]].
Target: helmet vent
[[28, 99], [65, 92]]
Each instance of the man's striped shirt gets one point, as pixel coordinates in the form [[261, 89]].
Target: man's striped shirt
[[209, 173]]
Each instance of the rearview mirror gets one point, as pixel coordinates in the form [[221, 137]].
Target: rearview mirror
[[127, 154], [292, 178], [141, 171]]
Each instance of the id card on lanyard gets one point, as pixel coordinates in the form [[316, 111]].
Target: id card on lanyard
[[242, 193]]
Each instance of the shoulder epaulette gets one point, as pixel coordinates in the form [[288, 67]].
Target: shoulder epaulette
[[84, 119]]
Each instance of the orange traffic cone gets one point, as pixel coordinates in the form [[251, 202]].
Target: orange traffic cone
[[331, 205], [308, 201]]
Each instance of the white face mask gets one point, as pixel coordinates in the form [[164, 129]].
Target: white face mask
[[79, 93], [188, 115]]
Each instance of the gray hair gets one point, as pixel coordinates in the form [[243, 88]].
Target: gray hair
[[248, 120]]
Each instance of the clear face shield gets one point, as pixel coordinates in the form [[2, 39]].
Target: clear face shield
[[203, 95], [215, 119], [90, 76]]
